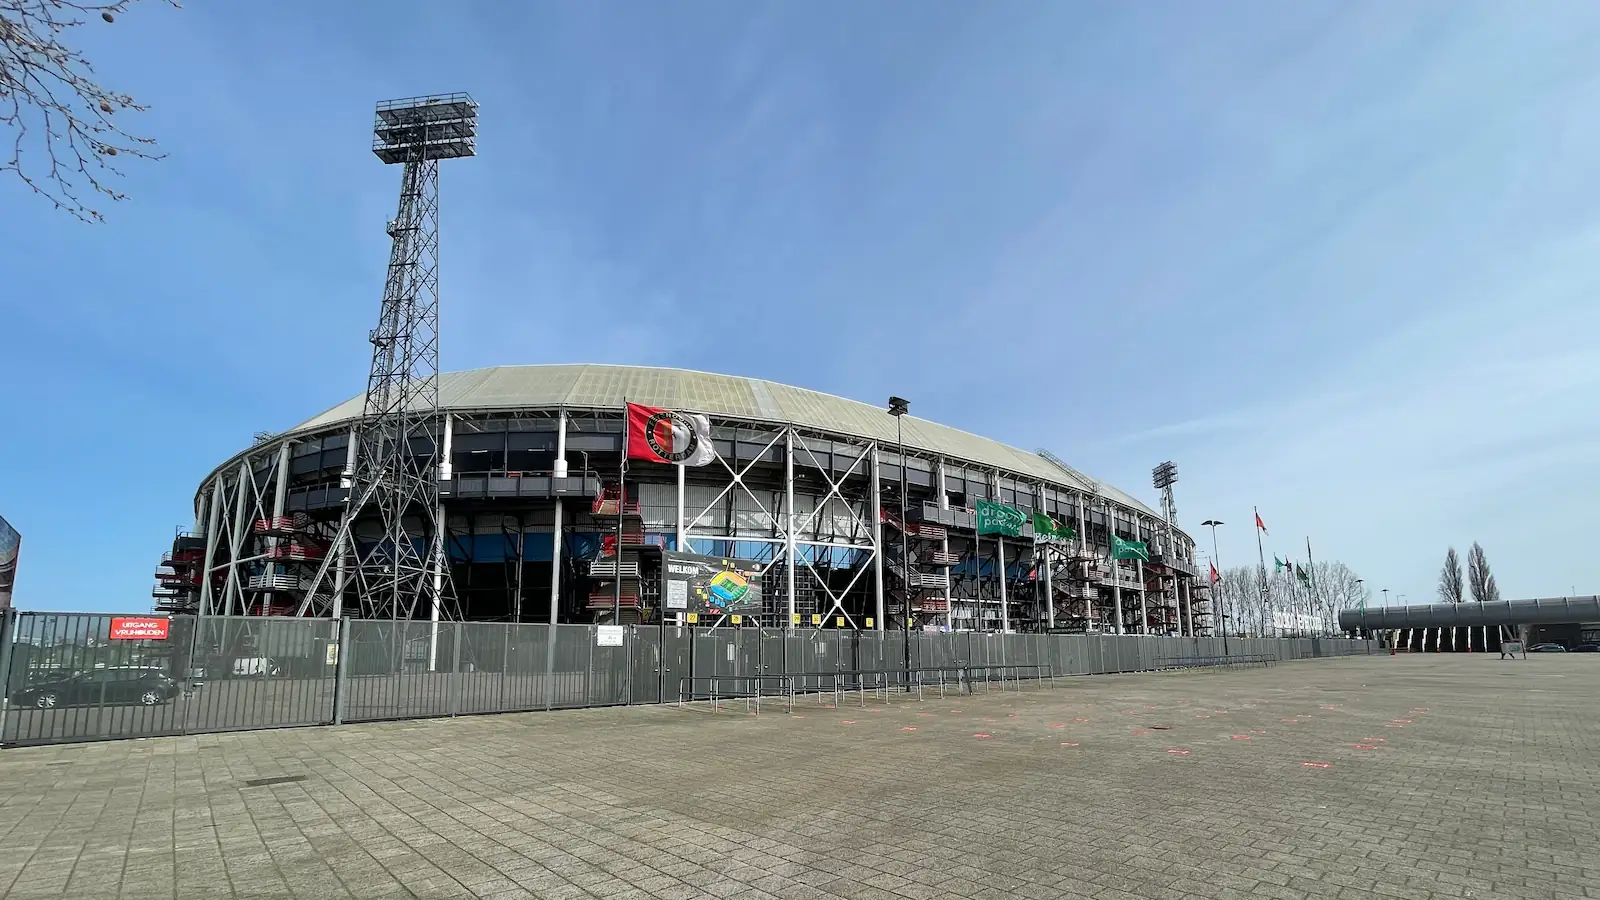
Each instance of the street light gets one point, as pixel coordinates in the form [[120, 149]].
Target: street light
[[1216, 564], [1385, 598], [898, 407]]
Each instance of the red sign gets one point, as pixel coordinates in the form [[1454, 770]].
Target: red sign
[[138, 628]]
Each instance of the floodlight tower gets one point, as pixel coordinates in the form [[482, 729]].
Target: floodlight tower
[[397, 461], [1164, 477]]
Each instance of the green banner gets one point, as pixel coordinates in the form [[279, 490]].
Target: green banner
[[998, 518], [1048, 531], [1122, 549]]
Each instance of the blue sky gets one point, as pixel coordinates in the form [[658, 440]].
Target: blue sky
[[1338, 260]]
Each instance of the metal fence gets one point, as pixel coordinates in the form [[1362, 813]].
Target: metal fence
[[81, 677]]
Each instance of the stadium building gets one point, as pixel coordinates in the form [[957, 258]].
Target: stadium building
[[803, 486]]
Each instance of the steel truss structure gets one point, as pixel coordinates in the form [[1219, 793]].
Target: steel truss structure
[[394, 570], [525, 509]]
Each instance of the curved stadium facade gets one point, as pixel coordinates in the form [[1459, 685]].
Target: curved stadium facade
[[805, 485]]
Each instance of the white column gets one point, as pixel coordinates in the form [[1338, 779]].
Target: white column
[[944, 543], [280, 495], [236, 538], [877, 542], [446, 467], [1042, 553], [1116, 570], [555, 534], [342, 545], [1005, 614], [682, 532], [788, 525], [214, 522], [438, 589]]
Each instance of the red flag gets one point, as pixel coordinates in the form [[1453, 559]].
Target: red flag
[[1214, 576], [667, 436], [1261, 525]]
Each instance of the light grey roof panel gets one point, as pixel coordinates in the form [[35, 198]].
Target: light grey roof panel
[[599, 386]]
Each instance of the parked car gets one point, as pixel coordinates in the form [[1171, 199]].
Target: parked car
[[116, 685], [1547, 648], [1586, 648]]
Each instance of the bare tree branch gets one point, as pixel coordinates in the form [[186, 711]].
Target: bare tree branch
[[1450, 585], [1479, 578], [61, 118]]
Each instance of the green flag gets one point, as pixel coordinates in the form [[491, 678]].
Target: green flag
[[1279, 565], [998, 518], [1121, 549], [1048, 531], [1305, 578]]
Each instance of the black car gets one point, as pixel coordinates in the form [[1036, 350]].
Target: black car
[[116, 686], [1547, 648], [1586, 648]]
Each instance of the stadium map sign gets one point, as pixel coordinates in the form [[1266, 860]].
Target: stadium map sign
[[714, 585]]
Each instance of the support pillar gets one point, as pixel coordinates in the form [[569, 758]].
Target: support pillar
[[341, 547], [231, 590], [944, 543], [877, 543], [1042, 553], [792, 562], [682, 532], [280, 494], [213, 523], [555, 534], [1116, 570]]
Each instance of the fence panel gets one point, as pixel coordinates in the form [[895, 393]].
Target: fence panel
[[89, 676]]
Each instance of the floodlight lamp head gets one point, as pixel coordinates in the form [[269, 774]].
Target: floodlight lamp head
[[1164, 475], [899, 406], [416, 129]]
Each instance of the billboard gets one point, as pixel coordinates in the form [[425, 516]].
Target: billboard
[[10, 545], [714, 585]]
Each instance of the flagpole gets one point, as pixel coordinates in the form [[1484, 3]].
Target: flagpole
[[622, 498], [1311, 581], [1261, 558]]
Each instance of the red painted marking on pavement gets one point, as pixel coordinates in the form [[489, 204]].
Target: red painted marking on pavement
[[848, 722], [924, 715], [1069, 743], [1327, 707], [1241, 737], [1315, 765], [1140, 731], [1011, 715], [909, 728], [1202, 716], [1149, 707], [1401, 721], [1058, 724], [1376, 740], [987, 719], [1290, 721], [1080, 719], [1178, 751], [1222, 712], [983, 734], [1365, 746], [1419, 709]]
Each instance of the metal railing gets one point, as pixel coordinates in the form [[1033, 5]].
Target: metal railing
[[71, 676]]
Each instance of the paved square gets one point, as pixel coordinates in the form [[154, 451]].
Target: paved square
[[1421, 776]]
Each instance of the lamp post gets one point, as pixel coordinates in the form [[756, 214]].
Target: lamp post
[[1385, 598], [1222, 616], [1360, 604], [898, 407]]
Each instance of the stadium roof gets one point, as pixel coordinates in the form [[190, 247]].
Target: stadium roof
[[592, 386]]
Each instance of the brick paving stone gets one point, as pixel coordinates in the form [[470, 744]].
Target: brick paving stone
[[1487, 791]]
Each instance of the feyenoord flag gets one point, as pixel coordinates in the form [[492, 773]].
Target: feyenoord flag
[[668, 436]]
